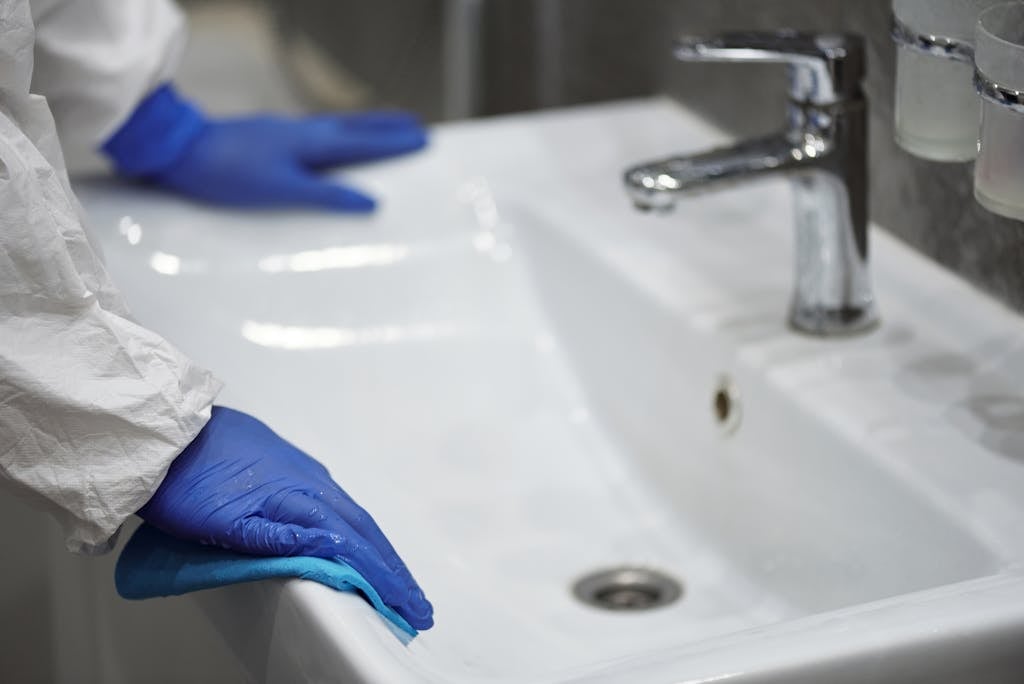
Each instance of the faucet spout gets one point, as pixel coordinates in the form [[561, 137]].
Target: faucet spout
[[659, 184], [822, 150]]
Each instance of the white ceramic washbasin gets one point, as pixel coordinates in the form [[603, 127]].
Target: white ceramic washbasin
[[515, 373]]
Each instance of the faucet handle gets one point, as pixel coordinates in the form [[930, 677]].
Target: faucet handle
[[825, 68]]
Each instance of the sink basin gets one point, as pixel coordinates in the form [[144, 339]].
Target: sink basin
[[525, 381]]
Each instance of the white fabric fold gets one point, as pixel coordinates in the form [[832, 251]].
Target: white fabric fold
[[95, 60]]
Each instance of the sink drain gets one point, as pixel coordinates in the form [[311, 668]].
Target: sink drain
[[627, 589]]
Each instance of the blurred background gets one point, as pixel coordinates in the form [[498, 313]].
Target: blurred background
[[454, 59]]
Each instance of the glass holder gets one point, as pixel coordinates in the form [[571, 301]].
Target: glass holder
[[936, 105], [999, 80]]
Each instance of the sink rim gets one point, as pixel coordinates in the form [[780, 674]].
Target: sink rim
[[372, 650]]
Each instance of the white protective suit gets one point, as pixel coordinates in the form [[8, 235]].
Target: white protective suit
[[93, 407]]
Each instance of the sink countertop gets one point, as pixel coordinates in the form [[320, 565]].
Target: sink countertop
[[456, 367]]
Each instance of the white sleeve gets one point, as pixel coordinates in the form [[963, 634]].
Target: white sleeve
[[97, 59], [93, 407]]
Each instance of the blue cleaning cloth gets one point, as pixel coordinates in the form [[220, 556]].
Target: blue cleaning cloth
[[155, 564]]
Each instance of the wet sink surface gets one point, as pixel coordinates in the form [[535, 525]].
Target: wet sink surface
[[516, 373]]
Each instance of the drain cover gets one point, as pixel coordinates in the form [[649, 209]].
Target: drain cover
[[627, 589]]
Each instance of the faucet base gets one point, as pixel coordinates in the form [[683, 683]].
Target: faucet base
[[826, 322]]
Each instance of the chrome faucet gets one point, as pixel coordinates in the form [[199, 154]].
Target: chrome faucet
[[823, 150]]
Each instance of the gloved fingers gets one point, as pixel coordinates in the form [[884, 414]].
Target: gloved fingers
[[364, 524], [263, 537], [323, 146], [310, 190], [361, 521], [329, 511], [378, 120], [270, 538]]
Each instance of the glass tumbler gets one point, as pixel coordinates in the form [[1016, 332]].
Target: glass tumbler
[[999, 76], [937, 107]]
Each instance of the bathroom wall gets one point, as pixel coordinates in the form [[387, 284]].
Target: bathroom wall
[[614, 48], [388, 52]]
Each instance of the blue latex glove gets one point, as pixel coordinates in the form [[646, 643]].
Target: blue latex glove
[[255, 161], [240, 486]]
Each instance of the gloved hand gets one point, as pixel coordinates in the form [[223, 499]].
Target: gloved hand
[[240, 486], [255, 161]]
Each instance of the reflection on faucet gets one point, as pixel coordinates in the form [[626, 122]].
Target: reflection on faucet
[[823, 150]]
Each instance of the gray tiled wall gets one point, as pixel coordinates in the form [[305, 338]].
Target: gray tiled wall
[[614, 47]]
